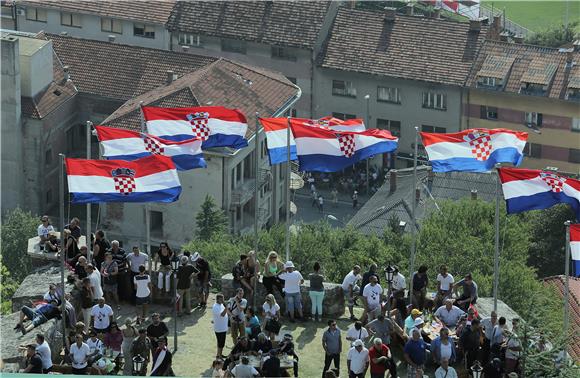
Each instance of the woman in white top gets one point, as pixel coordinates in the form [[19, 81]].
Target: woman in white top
[[271, 313]]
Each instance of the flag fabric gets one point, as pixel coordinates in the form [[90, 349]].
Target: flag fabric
[[575, 247], [325, 150], [149, 179], [216, 126], [530, 189], [120, 144], [474, 150], [276, 133]]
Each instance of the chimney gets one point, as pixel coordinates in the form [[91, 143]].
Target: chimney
[[436, 13], [417, 195], [390, 14], [170, 76], [519, 39], [484, 20], [475, 25], [569, 57], [185, 48], [63, 33], [504, 37], [474, 194], [409, 9], [577, 45], [392, 180], [65, 69], [112, 38]]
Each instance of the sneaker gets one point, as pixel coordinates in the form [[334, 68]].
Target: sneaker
[[18, 326], [23, 331]]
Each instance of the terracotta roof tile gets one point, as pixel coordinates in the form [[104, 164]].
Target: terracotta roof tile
[[532, 64], [156, 12], [415, 48], [557, 282], [290, 23]]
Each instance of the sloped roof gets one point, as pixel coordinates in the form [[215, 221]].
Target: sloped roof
[[532, 64], [557, 282], [119, 71], [288, 23], [155, 12], [224, 83], [410, 47]]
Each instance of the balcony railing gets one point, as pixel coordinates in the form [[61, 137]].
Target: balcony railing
[[243, 193]]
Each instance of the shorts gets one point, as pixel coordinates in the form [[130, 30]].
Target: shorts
[[203, 287], [101, 330], [143, 301], [221, 339], [293, 301], [350, 300], [36, 318], [110, 288]]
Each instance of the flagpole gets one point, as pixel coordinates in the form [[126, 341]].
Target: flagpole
[[62, 244], [256, 195], [147, 207], [88, 241], [288, 180], [496, 255], [413, 217], [367, 121], [567, 292]]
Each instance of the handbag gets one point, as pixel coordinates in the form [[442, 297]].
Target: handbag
[[273, 325]]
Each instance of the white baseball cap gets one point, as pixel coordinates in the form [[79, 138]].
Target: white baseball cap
[[358, 342], [289, 264], [195, 257]]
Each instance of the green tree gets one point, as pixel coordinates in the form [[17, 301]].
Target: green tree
[[8, 288], [211, 220], [18, 226], [554, 36]]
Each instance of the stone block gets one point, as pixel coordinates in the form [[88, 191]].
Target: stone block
[[332, 306], [35, 286]]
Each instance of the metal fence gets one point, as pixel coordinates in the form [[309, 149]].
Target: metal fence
[[507, 24]]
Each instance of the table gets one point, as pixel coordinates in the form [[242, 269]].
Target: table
[[432, 330], [286, 361]]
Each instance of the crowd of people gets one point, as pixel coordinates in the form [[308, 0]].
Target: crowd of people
[[442, 330]]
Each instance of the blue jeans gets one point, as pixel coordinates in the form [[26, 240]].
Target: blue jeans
[[316, 297], [293, 301]]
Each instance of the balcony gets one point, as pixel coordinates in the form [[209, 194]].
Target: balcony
[[243, 193]]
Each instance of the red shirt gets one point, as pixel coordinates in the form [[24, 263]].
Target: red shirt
[[373, 353]]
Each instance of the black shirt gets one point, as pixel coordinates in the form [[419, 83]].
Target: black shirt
[[36, 363], [184, 276], [86, 298], [156, 331], [265, 347], [75, 232], [203, 266], [271, 367], [120, 257], [165, 260], [104, 245], [420, 281], [80, 271], [239, 348], [366, 279]]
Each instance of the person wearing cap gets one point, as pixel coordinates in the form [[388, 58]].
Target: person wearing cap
[[445, 371], [357, 332], [162, 360], [203, 277], [410, 320], [380, 359], [33, 361], [292, 281], [95, 277], [448, 314], [443, 347], [141, 346], [286, 346], [418, 324], [184, 273], [350, 289], [415, 354], [273, 267], [357, 360], [236, 308]]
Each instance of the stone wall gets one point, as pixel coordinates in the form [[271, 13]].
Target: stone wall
[[35, 286], [332, 306]]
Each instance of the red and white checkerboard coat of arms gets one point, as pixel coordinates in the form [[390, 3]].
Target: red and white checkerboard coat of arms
[[320, 123], [480, 144], [347, 144], [199, 122], [153, 146], [124, 180], [555, 182]]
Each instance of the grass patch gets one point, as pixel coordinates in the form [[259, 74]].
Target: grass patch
[[537, 15]]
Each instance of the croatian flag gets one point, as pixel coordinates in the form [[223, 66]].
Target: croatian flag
[[530, 189], [474, 150], [120, 144], [149, 179], [216, 126], [276, 132], [324, 150], [575, 247]]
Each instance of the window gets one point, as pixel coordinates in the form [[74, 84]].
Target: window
[[70, 19], [393, 126], [533, 150], [433, 129], [576, 124], [489, 82], [234, 45], [156, 223], [111, 25], [488, 112], [143, 30], [239, 171], [343, 88], [48, 157], [36, 14], [285, 53], [433, 100], [573, 94], [533, 89], [343, 116], [533, 118], [189, 39], [389, 94], [574, 155]]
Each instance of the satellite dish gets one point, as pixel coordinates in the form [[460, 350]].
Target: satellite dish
[[296, 182]]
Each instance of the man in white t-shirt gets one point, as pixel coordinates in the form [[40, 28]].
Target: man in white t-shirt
[[292, 281], [101, 316], [372, 294], [220, 323], [445, 283], [357, 360], [448, 314], [142, 285], [357, 332], [95, 277], [44, 229], [79, 353], [43, 350], [350, 288]]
